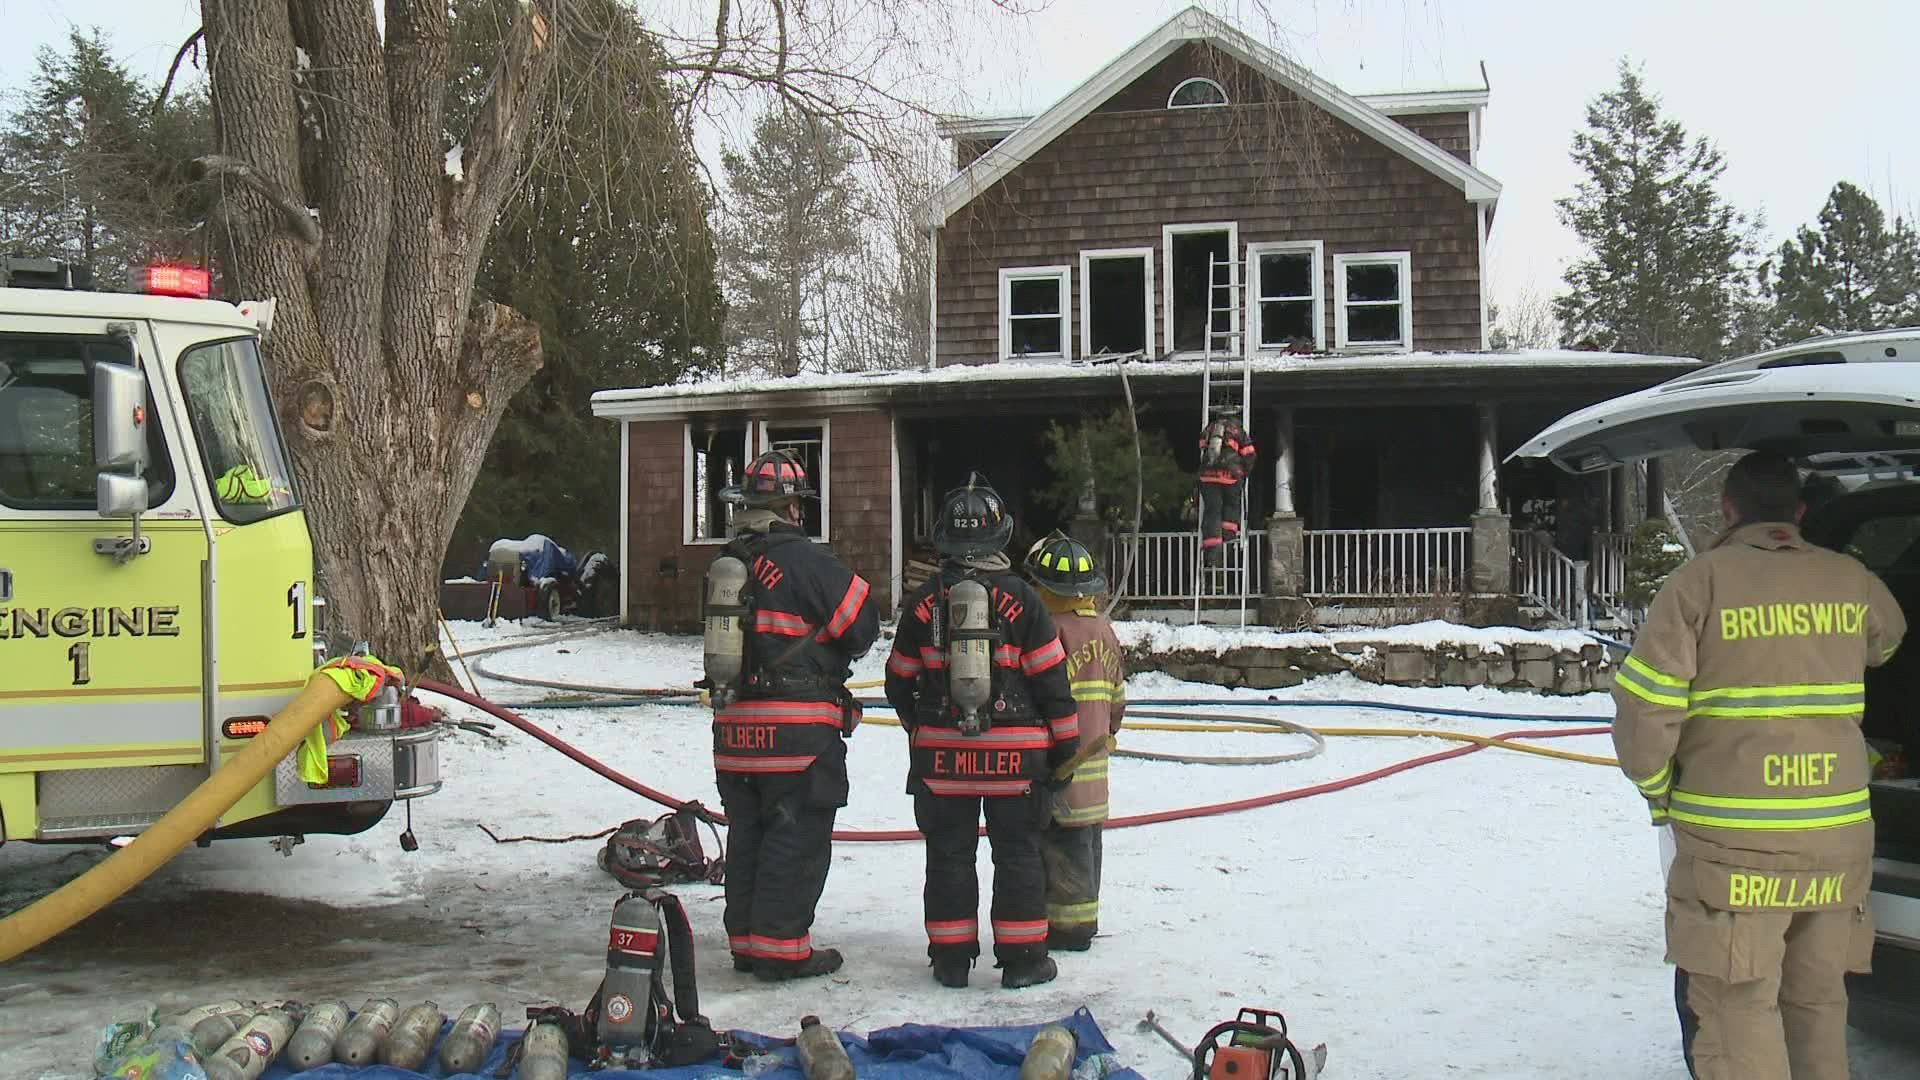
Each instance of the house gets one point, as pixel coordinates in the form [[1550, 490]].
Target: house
[[1219, 214]]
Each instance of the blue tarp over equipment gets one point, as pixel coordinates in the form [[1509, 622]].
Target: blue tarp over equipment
[[907, 1052]]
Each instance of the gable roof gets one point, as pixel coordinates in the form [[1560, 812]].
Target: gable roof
[[1192, 25], [1391, 103]]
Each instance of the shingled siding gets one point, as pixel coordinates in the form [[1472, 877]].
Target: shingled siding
[[1119, 175], [860, 508], [1448, 131]]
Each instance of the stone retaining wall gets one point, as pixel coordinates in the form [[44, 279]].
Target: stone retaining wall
[[1526, 667]]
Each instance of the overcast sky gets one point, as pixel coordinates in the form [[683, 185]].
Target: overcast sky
[[1797, 95]]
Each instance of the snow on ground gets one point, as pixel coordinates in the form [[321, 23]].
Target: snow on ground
[[1496, 915], [1163, 637]]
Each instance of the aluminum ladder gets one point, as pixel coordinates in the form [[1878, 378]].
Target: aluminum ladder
[[1218, 395]]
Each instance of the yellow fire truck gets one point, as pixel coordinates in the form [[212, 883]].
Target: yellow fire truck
[[156, 576]]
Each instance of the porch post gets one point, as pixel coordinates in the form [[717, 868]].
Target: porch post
[[1286, 536], [1619, 490], [1656, 489], [1490, 557]]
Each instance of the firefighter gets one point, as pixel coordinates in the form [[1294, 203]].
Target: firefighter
[[1226, 457], [1738, 718], [778, 749], [985, 736], [1069, 579]]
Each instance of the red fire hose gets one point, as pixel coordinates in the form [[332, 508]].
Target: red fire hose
[[897, 835]]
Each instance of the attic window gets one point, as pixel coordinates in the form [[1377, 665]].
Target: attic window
[[1196, 93]]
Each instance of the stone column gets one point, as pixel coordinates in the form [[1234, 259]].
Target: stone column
[[1490, 570], [1286, 571]]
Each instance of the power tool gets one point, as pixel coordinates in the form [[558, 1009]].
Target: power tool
[[1256, 1048]]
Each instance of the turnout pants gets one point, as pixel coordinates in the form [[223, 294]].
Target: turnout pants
[[779, 845], [952, 895], [1220, 512], [1072, 857], [1763, 995]]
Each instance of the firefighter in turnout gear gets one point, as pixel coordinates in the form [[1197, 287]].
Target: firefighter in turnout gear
[[1226, 457], [1069, 580], [779, 728], [1738, 718], [979, 678]]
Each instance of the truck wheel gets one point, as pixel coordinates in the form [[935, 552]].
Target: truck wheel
[[549, 603]]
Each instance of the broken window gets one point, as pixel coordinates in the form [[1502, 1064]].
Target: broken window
[[1196, 93], [1376, 303], [1033, 312], [1200, 271], [809, 443], [1286, 290], [1117, 316], [718, 458]]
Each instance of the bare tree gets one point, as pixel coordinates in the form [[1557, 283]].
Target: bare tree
[[1526, 323], [350, 197]]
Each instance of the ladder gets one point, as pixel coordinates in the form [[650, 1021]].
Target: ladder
[[1233, 577]]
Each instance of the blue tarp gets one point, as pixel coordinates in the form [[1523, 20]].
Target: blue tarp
[[540, 557], [908, 1052]]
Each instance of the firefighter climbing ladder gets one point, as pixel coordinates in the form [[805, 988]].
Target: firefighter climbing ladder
[[1233, 577]]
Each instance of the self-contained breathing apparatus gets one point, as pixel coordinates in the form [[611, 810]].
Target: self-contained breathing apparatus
[[728, 599], [967, 616], [724, 612]]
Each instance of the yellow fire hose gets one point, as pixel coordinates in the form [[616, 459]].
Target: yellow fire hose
[[194, 815]]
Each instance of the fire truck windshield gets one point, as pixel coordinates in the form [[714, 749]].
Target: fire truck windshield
[[247, 464]]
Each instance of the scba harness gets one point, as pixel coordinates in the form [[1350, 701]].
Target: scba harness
[[734, 603], [977, 731]]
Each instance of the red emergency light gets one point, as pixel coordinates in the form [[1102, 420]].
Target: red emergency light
[[166, 279], [342, 772]]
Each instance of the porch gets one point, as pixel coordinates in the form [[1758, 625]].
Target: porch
[[1299, 577]]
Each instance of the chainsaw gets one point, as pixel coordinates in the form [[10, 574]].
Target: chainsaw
[[1252, 1046]]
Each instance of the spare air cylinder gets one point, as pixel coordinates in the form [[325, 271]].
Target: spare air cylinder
[[633, 955]]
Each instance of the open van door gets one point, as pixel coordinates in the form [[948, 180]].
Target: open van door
[[1853, 417]]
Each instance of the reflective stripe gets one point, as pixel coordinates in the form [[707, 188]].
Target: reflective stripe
[[1008, 932], [1081, 815], [1794, 699], [1658, 813], [848, 610], [1732, 812], [784, 623], [1094, 768], [1888, 655], [740, 945], [780, 712], [952, 931], [1656, 785], [782, 948], [1067, 727], [1643, 682], [1001, 738], [1044, 657], [934, 659], [903, 665], [1098, 690], [1006, 655], [1069, 914], [977, 787], [737, 763]]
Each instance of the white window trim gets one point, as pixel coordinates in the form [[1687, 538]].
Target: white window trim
[[1184, 83], [1401, 259], [1087, 257], [1316, 276], [758, 442], [1011, 274], [1167, 233], [822, 483]]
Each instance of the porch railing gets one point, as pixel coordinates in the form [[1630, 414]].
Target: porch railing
[[1543, 574], [1164, 565], [1609, 567], [1386, 562]]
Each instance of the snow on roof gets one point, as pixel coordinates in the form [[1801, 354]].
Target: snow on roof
[[849, 388], [1162, 637]]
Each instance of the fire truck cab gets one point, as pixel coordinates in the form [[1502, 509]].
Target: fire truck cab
[[156, 575]]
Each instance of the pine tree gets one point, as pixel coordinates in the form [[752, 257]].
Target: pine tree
[[1666, 255], [1840, 276], [93, 172], [607, 247], [791, 223]]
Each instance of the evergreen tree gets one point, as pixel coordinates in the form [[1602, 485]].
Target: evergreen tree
[[92, 172], [791, 225], [1093, 466], [607, 248], [1666, 258], [1852, 272]]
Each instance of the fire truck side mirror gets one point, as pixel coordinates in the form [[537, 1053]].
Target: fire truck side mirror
[[120, 496], [119, 420]]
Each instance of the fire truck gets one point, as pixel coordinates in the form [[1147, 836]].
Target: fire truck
[[157, 595]]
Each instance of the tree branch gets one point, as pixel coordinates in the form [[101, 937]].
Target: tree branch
[[719, 50], [496, 139], [192, 42], [292, 214]]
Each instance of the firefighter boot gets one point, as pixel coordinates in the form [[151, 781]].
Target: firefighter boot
[[1028, 973], [819, 962], [952, 970], [1075, 938]]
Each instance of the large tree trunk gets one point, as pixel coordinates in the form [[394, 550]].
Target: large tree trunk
[[388, 379]]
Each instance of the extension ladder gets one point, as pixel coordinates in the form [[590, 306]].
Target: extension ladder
[[1233, 576]]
